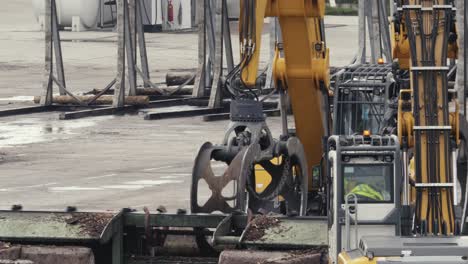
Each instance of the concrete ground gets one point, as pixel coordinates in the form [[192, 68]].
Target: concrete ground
[[103, 163]]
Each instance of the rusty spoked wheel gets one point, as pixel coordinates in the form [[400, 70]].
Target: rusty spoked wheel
[[202, 170], [216, 182]]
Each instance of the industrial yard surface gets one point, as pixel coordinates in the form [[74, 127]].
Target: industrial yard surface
[[103, 163]]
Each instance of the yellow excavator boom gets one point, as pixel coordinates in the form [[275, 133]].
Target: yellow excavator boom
[[301, 64]]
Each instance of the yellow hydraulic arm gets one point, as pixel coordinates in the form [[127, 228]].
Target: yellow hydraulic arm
[[301, 65]]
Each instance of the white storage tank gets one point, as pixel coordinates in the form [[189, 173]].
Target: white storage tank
[[78, 14]]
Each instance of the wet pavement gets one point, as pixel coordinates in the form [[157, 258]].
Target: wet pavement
[[103, 163]]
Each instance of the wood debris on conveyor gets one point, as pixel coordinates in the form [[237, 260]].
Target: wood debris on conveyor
[[259, 225], [91, 223]]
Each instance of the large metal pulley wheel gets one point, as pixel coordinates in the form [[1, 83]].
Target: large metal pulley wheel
[[217, 202]]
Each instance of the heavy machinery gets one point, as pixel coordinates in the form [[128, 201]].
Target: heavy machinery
[[352, 153], [368, 154], [339, 188], [248, 141], [364, 168], [428, 130], [250, 152]]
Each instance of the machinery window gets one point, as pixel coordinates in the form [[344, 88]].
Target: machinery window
[[360, 111], [370, 183]]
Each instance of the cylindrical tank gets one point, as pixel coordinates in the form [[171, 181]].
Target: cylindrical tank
[[88, 11]]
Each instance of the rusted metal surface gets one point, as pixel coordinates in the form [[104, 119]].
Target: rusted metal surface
[[47, 255], [172, 260], [272, 257], [53, 227], [286, 233], [137, 219]]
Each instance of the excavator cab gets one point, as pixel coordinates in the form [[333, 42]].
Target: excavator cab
[[364, 195], [363, 162], [362, 99]]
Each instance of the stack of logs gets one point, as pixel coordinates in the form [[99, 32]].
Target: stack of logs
[[176, 84]]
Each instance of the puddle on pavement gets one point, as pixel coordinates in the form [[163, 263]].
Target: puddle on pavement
[[17, 98], [126, 186], [36, 130], [152, 182]]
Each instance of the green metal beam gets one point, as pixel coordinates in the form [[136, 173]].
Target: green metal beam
[[178, 220]]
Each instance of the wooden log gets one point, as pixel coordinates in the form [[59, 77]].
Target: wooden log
[[186, 90], [103, 100], [178, 78]]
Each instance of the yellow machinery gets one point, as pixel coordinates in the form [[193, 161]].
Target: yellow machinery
[[291, 171], [428, 118], [401, 45], [367, 173], [347, 182], [428, 128], [301, 65], [289, 168]]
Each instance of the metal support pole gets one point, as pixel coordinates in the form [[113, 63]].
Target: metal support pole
[[47, 85], [117, 240], [406, 194], [392, 7], [142, 43], [57, 49], [119, 93], [274, 38], [216, 92], [130, 38], [455, 178], [132, 23], [283, 105], [101, 9], [374, 32], [384, 30], [194, 12], [199, 87], [361, 56], [210, 32], [227, 38]]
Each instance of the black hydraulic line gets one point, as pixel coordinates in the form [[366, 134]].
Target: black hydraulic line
[[447, 120], [380, 28], [411, 36], [431, 119]]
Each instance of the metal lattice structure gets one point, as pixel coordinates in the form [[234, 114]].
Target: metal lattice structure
[[362, 96]]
